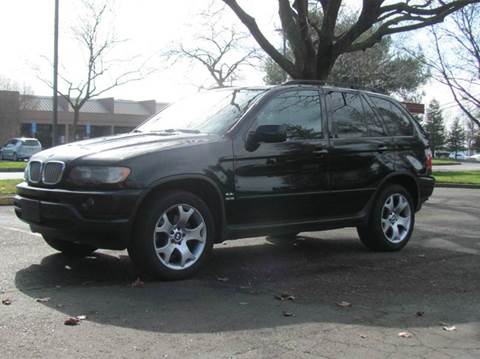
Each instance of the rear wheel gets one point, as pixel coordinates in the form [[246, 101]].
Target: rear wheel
[[391, 220], [70, 249], [173, 236]]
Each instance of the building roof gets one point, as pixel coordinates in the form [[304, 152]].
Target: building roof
[[127, 107]]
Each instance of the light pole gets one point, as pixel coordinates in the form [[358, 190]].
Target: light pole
[[55, 78]]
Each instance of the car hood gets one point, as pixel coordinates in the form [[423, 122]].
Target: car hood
[[121, 147]]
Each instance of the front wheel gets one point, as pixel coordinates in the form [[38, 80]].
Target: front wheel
[[391, 221], [173, 236], [70, 249]]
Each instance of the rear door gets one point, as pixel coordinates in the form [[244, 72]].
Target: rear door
[[409, 148], [361, 153], [285, 181]]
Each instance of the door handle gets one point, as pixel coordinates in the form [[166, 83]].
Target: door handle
[[382, 148]]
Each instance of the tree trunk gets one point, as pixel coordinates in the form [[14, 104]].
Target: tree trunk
[[76, 117]]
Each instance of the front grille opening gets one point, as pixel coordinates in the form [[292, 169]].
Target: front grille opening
[[52, 172], [35, 171]]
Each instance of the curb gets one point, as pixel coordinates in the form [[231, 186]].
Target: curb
[[12, 170], [456, 185], [6, 200]]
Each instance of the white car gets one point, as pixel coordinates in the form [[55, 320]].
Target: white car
[[475, 157], [459, 156], [20, 149]]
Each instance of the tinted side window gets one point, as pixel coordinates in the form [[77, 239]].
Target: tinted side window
[[374, 124], [346, 114], [396, 122], [298, 111]]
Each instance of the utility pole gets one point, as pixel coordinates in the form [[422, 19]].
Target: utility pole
[[55, 78]]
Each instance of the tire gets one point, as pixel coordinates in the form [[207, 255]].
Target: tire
[[70, 249], [173, 236], [391, 220]]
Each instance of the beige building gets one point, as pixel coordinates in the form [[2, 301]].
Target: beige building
[[32, 116]]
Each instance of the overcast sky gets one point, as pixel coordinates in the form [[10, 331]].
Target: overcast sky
[[151, 26]]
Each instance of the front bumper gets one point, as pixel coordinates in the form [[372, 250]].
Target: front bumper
[[100, 218]]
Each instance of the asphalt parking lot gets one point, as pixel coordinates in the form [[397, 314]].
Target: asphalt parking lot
[[230, 309]]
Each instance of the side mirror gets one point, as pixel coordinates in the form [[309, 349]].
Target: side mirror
[[266, 134], [269, 134]]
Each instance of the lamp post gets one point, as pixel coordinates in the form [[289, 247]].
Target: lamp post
[[55, 78]]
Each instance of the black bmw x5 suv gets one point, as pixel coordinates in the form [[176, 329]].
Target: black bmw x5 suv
[[232, 163]]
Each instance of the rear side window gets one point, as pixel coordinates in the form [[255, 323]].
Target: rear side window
[[298, 111], [396, 121], [347, 115], [30, 143]]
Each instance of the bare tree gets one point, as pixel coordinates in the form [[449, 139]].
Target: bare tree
[[462, 73], [221, 49], [95, 37], [317, 42]]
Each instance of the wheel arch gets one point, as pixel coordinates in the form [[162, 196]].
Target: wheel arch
[[201, 186], [406, 180]]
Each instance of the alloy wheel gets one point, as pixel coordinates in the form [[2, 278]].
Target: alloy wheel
[[180, 236], [396, 218]]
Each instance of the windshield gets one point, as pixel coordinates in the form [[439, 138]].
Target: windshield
[[213, 111]]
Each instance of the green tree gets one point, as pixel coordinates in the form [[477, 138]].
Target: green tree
[[434, 126], [456, 137]]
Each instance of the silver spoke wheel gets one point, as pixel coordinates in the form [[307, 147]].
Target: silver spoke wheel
[[180, 236], [396, 218]]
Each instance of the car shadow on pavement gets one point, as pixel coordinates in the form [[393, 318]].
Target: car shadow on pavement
[[240, 286]]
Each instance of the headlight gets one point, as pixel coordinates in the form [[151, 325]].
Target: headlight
[[98, 175]]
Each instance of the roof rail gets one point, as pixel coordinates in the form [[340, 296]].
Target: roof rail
[[332, 83]]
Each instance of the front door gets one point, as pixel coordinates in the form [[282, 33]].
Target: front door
[[286, 181]]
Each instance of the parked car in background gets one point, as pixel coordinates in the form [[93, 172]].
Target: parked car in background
[[20, 149], [234, 163], [475, 157], [458, 156]]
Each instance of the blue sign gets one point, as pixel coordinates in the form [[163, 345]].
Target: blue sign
[[88, 129], [34, 128]]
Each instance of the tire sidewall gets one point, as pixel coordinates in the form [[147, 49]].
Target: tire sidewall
[[142, 248]]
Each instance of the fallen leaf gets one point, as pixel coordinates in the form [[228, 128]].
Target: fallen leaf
[[421, 256], [67, 267], [72, 321], [42, 300], [81, 317], [420, 314], [405, 334], [222, 279], [138, 283], [363, 336], [285, 296], [450, 328], [288, 314], [6, 301], [344, 304], [243, 303]]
